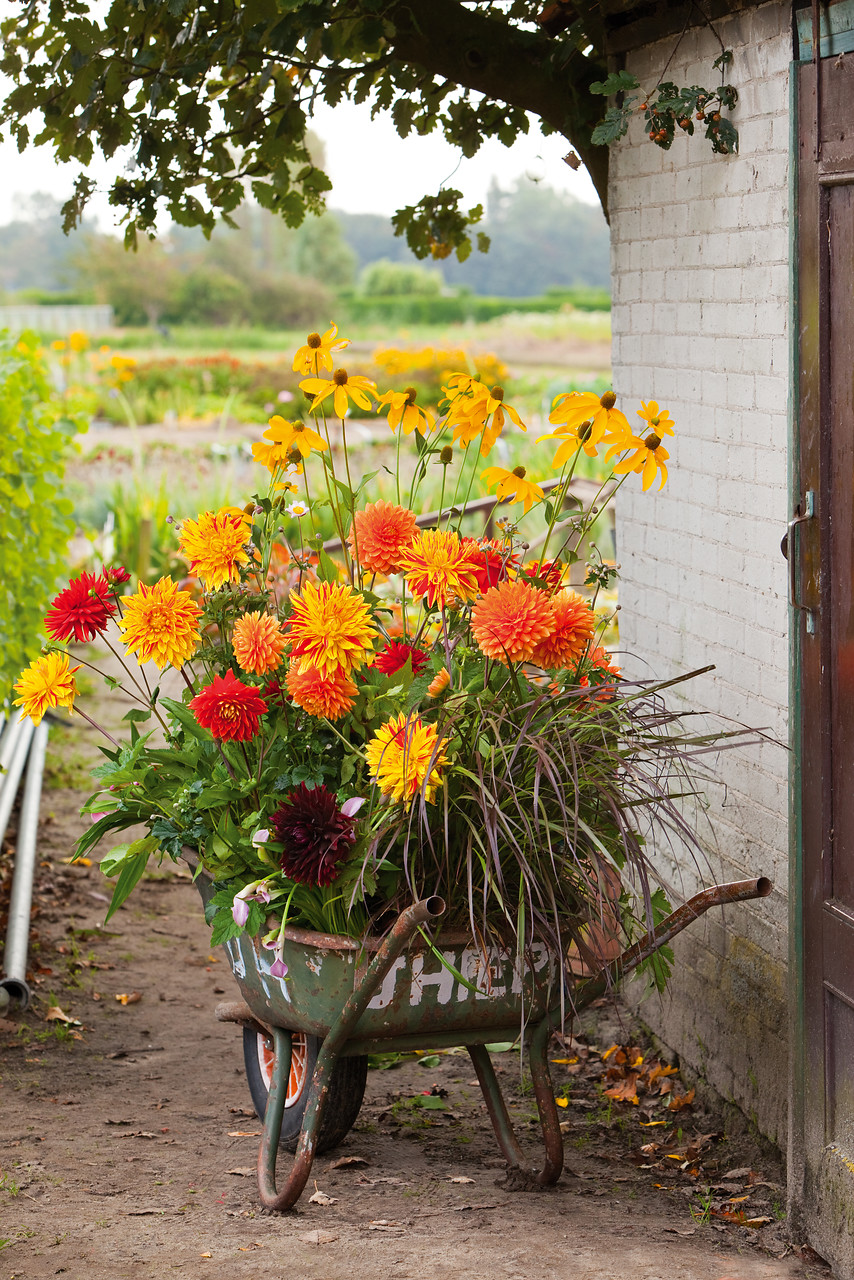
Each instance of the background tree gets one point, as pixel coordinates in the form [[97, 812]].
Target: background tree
[[201, 101]]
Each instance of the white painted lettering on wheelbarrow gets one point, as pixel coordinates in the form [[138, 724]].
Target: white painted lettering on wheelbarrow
[[443, 979], [385, 995], [489, 972]]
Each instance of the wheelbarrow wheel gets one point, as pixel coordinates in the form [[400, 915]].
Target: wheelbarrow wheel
[[346, 1087]]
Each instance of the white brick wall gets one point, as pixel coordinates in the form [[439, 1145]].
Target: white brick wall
[[700, 263]]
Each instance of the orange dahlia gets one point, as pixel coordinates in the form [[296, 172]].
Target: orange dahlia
[[331, 694], [214, 545], [574, 624], [331, 627], [382, 533], [511, 620], [47, 682], [258, 641], [440, 568], [601, 672], [161, 624], [404, 756]]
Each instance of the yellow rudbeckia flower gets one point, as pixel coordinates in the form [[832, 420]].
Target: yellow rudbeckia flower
[[285, 437], [318, 351], [512, 484], [403, 412], [574, 409], [342, 388]]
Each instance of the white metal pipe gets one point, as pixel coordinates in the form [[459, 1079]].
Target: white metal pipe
[[14, 984], [13, 757]]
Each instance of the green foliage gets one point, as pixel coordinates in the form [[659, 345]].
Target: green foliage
[[464, 308], [213, 102], [384, 279], [35, 518], [669, 107]]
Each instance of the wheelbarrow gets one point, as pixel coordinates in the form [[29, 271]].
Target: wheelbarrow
[[306, 1037]]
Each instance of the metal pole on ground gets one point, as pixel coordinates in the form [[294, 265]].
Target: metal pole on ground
[[14, 986]]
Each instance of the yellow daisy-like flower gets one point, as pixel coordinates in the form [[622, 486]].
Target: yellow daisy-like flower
[[287, 439], [161, 624], [475, 410], [512, 484], [331, 627], [342, 388], [403, 412], [440, 568], [649, 459], [575, 409], [47, 682], [214, 545], [258, 642], [405, 757], [659, 420], [318, 351], [574, 438]]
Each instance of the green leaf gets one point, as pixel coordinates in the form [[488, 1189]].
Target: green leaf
[[616, 82], [132, 871]]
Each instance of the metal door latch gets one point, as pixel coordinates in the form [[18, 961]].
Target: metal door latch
[[787, 546]]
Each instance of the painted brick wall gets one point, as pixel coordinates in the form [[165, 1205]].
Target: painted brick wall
[[700, 260]]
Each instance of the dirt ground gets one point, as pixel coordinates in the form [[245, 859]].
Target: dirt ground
[[129, 1141]]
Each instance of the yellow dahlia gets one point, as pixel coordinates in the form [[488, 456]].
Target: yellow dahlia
[[440, 568], [330, 693], [214, 545], [574, 624], [258, 641], [318, 351], [383, 532], [511, 620], [331, 627], [342, 388], [161, 624], [47, 682], [404, 757]]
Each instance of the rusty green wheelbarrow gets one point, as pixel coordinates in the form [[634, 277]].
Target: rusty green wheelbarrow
[[307, 1037]]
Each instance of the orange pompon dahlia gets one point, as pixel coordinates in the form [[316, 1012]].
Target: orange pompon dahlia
[[440, 568], [405, 757], [214, 545], [331, 627], [258, 641], [230, 709], [511, 620], [329, 694], [574, 624], [161, 624], [382, 533], [47, 682]]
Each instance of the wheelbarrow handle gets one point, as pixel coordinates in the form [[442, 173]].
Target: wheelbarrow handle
[[395, 941]]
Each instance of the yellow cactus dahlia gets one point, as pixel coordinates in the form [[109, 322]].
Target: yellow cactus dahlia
[[406, 756]]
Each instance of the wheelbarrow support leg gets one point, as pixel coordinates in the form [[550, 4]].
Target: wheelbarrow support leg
[[271, 1198], [544, 1094]]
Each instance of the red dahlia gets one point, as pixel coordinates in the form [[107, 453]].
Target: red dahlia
[[396, 654], [82, 610], [315, 833], [229, 708]]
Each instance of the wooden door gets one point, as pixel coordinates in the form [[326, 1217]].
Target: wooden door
[[821, 550]]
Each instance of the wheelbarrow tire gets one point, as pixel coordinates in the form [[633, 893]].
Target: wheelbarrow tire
[[346, 1088]]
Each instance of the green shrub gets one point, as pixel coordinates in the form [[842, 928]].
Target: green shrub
[[35, 519]]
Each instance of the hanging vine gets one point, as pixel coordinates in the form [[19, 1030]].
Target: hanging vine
[[669, 108]]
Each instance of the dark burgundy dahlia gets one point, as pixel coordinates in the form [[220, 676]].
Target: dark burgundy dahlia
[[315, 834]]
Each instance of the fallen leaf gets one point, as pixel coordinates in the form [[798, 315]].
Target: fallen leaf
[[117, 1122], [677, 1231], [756, 1222], [562, 1102], [238, 1133], [461, 1179], [139, 1133], [320, 1197], [319, 1237], [250, 1248], [349, 1162], [205, 1255], [77, 862], [737, 1173], [384, 1224], [677, 1102], [131, 997], [245, 1172], [55, 1014]]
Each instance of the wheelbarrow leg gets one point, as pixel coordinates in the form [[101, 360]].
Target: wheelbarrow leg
[[497, 1108], [271, 1198]]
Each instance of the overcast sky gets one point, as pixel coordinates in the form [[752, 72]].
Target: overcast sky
[[372, 169]]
